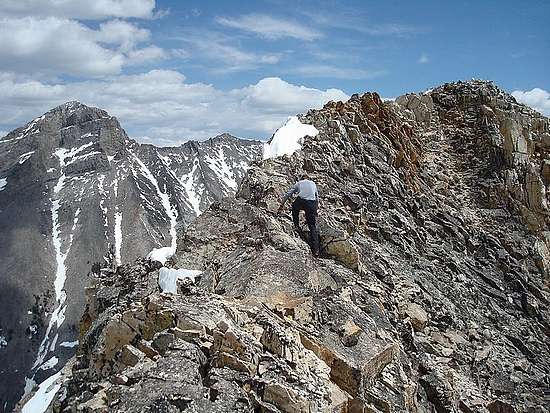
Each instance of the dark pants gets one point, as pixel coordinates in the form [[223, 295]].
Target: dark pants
[[310, 208]]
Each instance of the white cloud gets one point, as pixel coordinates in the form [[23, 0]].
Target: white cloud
[[390, 29], [351, 19], [54, 46], [180, 53], [273, 94], [269, 27], [80, 9], [538, 99], [220, 48], [147, 54], [333, 72], [122, 33], [162, 107], [423, 59]]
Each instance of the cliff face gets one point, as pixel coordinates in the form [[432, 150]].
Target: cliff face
[[431, 293], [77, 194]]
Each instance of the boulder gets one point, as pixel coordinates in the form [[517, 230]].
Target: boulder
[[417, 315], [130, 356]]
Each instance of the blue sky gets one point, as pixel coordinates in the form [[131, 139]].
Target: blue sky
[[499, 40], [173, 70]]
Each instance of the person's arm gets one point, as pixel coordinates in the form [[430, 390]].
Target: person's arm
[[287, 195], [317, 196]]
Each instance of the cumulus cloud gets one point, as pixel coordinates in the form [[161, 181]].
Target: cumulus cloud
[[538, 99], [79, 9], [121, 33], [56, 46], [162, 107], [269, 27]]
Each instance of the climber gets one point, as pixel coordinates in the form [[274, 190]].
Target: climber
[[308, 201]]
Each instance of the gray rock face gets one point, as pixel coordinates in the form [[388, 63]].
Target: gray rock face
[[76, 195], [432, 293], [212, 169]]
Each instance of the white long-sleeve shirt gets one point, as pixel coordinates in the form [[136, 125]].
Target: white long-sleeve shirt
[[305, 189]]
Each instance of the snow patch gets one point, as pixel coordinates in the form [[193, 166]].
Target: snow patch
[[118, 236], [161, 254], [63, 153], [3, 183], [24, 157], [51, 363], [81, 157], [220, 168], [288, 138], [29, 385], [60, 274], [168, 278], [188, 184], [52, 346], [118, 226], [3, 342], [69, 344], [44, 395]]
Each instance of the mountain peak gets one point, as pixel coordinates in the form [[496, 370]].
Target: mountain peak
[[75, 106], [225, 135], [228, 138]]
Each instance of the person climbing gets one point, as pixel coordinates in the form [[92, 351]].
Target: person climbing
[[307, 201]]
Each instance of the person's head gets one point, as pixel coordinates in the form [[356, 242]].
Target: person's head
[[304, 176]]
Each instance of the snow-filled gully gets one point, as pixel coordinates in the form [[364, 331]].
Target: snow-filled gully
[[58, 315], [163, 253]]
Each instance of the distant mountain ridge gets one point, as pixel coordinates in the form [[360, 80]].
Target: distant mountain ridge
[[75, 193]]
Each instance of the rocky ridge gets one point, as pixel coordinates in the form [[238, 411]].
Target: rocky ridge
[[77, 194], [432, 293]]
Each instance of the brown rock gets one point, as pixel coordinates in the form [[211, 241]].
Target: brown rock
[[187, 335], [350, 333], [130, 356], [117, 334], [147, 348], [285, 399], [417, 315]]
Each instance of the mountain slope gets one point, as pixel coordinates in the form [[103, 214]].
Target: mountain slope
[[78, 195], [431, 295]]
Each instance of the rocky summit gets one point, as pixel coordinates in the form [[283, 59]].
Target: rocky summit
[[77, 195], [431, 294]]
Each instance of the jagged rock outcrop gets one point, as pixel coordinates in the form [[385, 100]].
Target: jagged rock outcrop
[[77, 194], [431, 295]]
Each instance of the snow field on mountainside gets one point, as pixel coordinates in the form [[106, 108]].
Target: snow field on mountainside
[[44, 395]]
